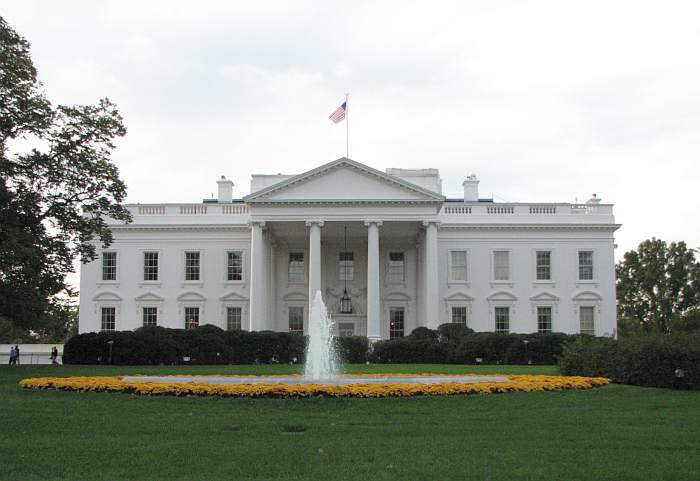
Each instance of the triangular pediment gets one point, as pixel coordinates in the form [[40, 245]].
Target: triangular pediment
[[149, 297], [233, 297], [545, 296], [459, 296], [344, 180]]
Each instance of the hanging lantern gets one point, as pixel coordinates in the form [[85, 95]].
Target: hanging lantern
[[345, 301]]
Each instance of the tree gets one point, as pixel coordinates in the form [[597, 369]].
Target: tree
[[53, 197], [658, 286]]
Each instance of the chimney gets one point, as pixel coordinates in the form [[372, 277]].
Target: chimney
[[225, 190], [594, 200], [471, 189]]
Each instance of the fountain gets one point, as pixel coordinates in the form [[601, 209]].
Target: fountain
[[321, 357]]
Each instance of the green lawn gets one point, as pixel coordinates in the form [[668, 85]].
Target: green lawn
[[610, 433]]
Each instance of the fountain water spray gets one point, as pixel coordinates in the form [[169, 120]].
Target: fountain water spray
[[321, 358]]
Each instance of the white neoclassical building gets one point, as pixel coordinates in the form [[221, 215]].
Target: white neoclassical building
[[387, 250]]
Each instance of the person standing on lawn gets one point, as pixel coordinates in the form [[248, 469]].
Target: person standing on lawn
[[17, 354], [12, 355], [54, 356]]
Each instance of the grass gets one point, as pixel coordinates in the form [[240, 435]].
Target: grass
[[616, 432]]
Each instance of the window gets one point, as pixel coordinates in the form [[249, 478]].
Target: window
[[192, 269], [396, 322], [459, 314], [109, 317], [296, 267], [346, 268], [346, 329], [150, 316], [585, 265], [458, 266], [587, 318], [234, 266], [109, 266], [150, 266], [296, 320], [544, 319], [502, 315], [543, 265], [501, 265], [191, 317], [397, 267], [233, 318]]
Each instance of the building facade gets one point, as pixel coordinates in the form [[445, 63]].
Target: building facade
[[387, 250]]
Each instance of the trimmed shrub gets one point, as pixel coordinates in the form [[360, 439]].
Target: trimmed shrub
[[352, 349], [643, 360]]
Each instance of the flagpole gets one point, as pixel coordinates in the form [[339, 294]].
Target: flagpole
[[347, 127]]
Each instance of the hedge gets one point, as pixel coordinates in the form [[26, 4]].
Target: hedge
[[668, 361], [204, 345], [450, 343], [457, 344]]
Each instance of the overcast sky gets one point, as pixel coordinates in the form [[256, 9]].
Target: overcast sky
[[546, 101]]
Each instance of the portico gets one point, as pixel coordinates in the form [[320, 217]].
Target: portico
[[377, 262]]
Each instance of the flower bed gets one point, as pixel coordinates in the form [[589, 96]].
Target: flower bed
[[116, 383]]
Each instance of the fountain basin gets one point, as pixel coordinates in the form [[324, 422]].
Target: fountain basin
[[337, 381]]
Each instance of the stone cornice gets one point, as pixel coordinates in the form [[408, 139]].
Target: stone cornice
[[348, 202], [533, 227], [179, 227]]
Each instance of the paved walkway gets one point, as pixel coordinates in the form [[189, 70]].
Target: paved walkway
[[300, 380]]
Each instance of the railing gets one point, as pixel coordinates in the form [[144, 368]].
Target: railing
[[193, 209], [151, 210], [458, 210], [477, 209], [500, 210], [543, 209], [189, 210], [234, 209]]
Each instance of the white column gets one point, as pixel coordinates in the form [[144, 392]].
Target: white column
[[258, 277], [432, 288], [374, 319], [314, 258], [272, 286]]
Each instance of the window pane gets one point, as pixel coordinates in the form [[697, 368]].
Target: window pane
[[544, 319], [544, 265], [501, 265], [108, 318], [191, 317], [587, 318], [346, 266], [109, 266], [585, 265], [459, 314], [150, 316], [296, 267], [396, 322], [234, 268], [233, 318], [192, 266], [458, 265], [150, 266], [502, 315], [296, 320], [396, 267]]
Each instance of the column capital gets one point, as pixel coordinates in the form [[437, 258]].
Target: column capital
[[373, 221], [259, 223], [318, 222], [426, 223]]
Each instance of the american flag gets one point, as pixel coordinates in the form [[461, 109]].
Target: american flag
[[339, 113]]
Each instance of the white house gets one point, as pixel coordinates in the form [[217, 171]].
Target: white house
[[388, 251]]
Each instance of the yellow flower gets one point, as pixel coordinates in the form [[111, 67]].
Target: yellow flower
[[116, 383]]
